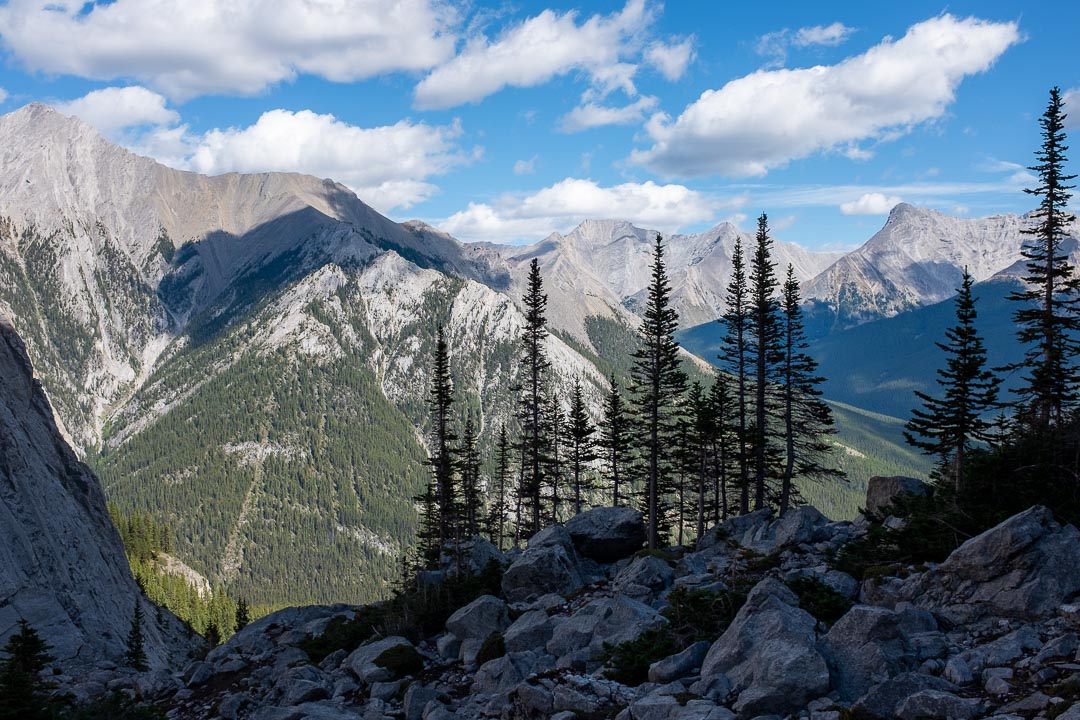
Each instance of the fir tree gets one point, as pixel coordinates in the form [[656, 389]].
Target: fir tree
[[721, 408], [135, 658], [659, 384], [580, 443], [806, 418], [614, 436], [469, 464], [702, 429], [553, 471], [440, 501], [950, 424], [243, 614], [736, 321], [499, 506], [763, 350], [22, 694], [1048, 322], [534, 365], [213, 635]]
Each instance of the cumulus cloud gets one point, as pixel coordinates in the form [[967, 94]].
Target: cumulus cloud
[[770, 117], [3, 95], [388, 166], [190, 47], [565, 204], [592, 114], [671, 59], [871, 204], [115, 109], [1071, 99], [538, 49]]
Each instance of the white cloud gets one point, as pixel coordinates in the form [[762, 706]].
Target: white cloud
[[671, 59], [592, 115], [115, 109], [388, 167], [533, 52], [3, 95], [191, 47], [827, 35], [525, 167], [1071, 99], [871, 204], [565, 204], [775, 44], [770, 117]]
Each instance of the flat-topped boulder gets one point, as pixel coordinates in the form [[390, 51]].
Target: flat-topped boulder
[[607, 534]]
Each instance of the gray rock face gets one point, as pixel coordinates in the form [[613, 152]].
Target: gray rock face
[[529, 632], [644, 576], [473, 556], [939, 704], [607, 534], [1023, 568], [381, 660], [769, 652], [475, 622], [548, 565], [881, 492], [62, 565], [680, 664]]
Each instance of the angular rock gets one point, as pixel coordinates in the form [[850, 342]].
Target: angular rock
[[1022, 568], [530, 631], [939, 704], [607, 534], [645, 575], [680, 664], [864, 645], [475, 622], [883, 700], [881, 492], [799, 525], [604, 620], [472, 557], [769, 652], [548, 565], [387, 659]]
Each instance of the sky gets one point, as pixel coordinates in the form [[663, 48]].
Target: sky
[[506, 121]]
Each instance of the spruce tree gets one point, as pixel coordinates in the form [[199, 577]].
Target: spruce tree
[[554, 422], [243, 614], [947, 426], [135, 658], [764, 351], [499, 506], [469, 465], [614, 436], [22, 694], [736, 322], [1049, 322], [441, 457], [580, 444], [806, 418], [720, 410], [532, 405], [702, 432], [659, 385]]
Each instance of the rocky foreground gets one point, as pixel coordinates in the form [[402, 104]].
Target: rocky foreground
[[990, 632]]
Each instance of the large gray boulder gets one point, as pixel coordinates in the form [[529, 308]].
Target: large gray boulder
[[881, 491], [387, 659], [870, 643], [643, 577], [769, 653], [477, 621], [607, 534], [548, 565], [1023, 568], [530, 631], [471, 557], [883, 701], [582, 636]]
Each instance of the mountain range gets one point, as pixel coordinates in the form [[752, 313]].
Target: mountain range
[[247, 355]]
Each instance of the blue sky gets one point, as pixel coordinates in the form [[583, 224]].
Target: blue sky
[[506, 121]]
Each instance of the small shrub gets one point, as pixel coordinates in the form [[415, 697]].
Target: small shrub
[[344, 634], [628, 663], [818, 599], [493, 647]]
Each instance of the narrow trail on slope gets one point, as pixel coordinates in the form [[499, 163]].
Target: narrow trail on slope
[[234, 551]]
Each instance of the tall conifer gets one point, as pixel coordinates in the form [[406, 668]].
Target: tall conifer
[[736, 322], [614, 436], [763, 347], [659, 384], [580, 444], [532, 405]]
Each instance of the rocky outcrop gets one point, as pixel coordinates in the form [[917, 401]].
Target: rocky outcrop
[[62, 565], [548, 565], [881, 492], [1024, 568]]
